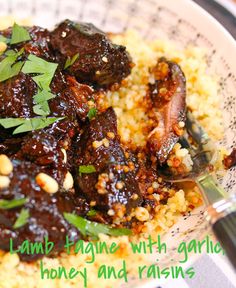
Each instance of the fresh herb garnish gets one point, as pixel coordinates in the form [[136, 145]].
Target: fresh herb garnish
[[4, 39], [22, 219], [45, 71], [86, 169], [8, 67], [25, 125], [71, 61], [92, 212], [92, 113], [90, 228], [19, 34], [9, 204]]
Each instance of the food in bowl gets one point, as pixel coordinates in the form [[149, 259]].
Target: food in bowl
[[85, 125]]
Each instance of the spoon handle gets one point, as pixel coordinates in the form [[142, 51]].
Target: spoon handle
[[221, 213], [225, 231]]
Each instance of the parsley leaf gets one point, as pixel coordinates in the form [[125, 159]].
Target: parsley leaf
[[28, 124], [9, 204], [92, 113], [22, 219], [92, 212], [86, 169], [19, 34], [4, 39], [45, 69], [71, 61], [8, 67], [90, 228]]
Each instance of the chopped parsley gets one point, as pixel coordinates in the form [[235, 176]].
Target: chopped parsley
[[8, 66], [45, 71], [4, 39], [71, 61], [22, 219], [92, 212], [9, 204], [25, 125], [92, 113], [86, 169], [19, 34], [89, 228]]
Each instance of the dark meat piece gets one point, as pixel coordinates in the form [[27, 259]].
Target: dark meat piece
[[99, 61], [45, 210], [44, 150], [39, 44], [230, 160], [72, 101], [16, 96], [168, 94], [111, 184]]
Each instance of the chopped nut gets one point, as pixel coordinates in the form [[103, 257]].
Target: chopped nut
[[104, 59], [47, 183], [155, 185], [111, 212], [181, 124], [3, 47], [119, 185], [97, 144], [106, 142], [6, 166], [141, 214], [68, 181], [134, 196], [93, 203], [126, 169], [4, 182], [110, 135]]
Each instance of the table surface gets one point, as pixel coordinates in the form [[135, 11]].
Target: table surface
[[212, 271]]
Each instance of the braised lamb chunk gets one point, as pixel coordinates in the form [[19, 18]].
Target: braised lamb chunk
[[113, 182], [99, 61], [16, 97], [72, 101], [44, 150], [168, 94], [45, 211]]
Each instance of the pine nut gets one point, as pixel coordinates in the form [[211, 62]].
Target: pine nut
[[141, 214], [3, 47], [47, 183], [68, 181], [4, 182], [6, 166]]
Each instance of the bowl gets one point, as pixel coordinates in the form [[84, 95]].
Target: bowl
[[184, 23]]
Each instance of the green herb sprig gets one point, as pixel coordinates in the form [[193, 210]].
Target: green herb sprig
[[19, 34], [10, 204], [86, 169], [71, 61], [45, 71], [89, 228], [22, 219], [30, 124]]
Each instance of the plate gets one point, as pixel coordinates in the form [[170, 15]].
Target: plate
[[184, 23]]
